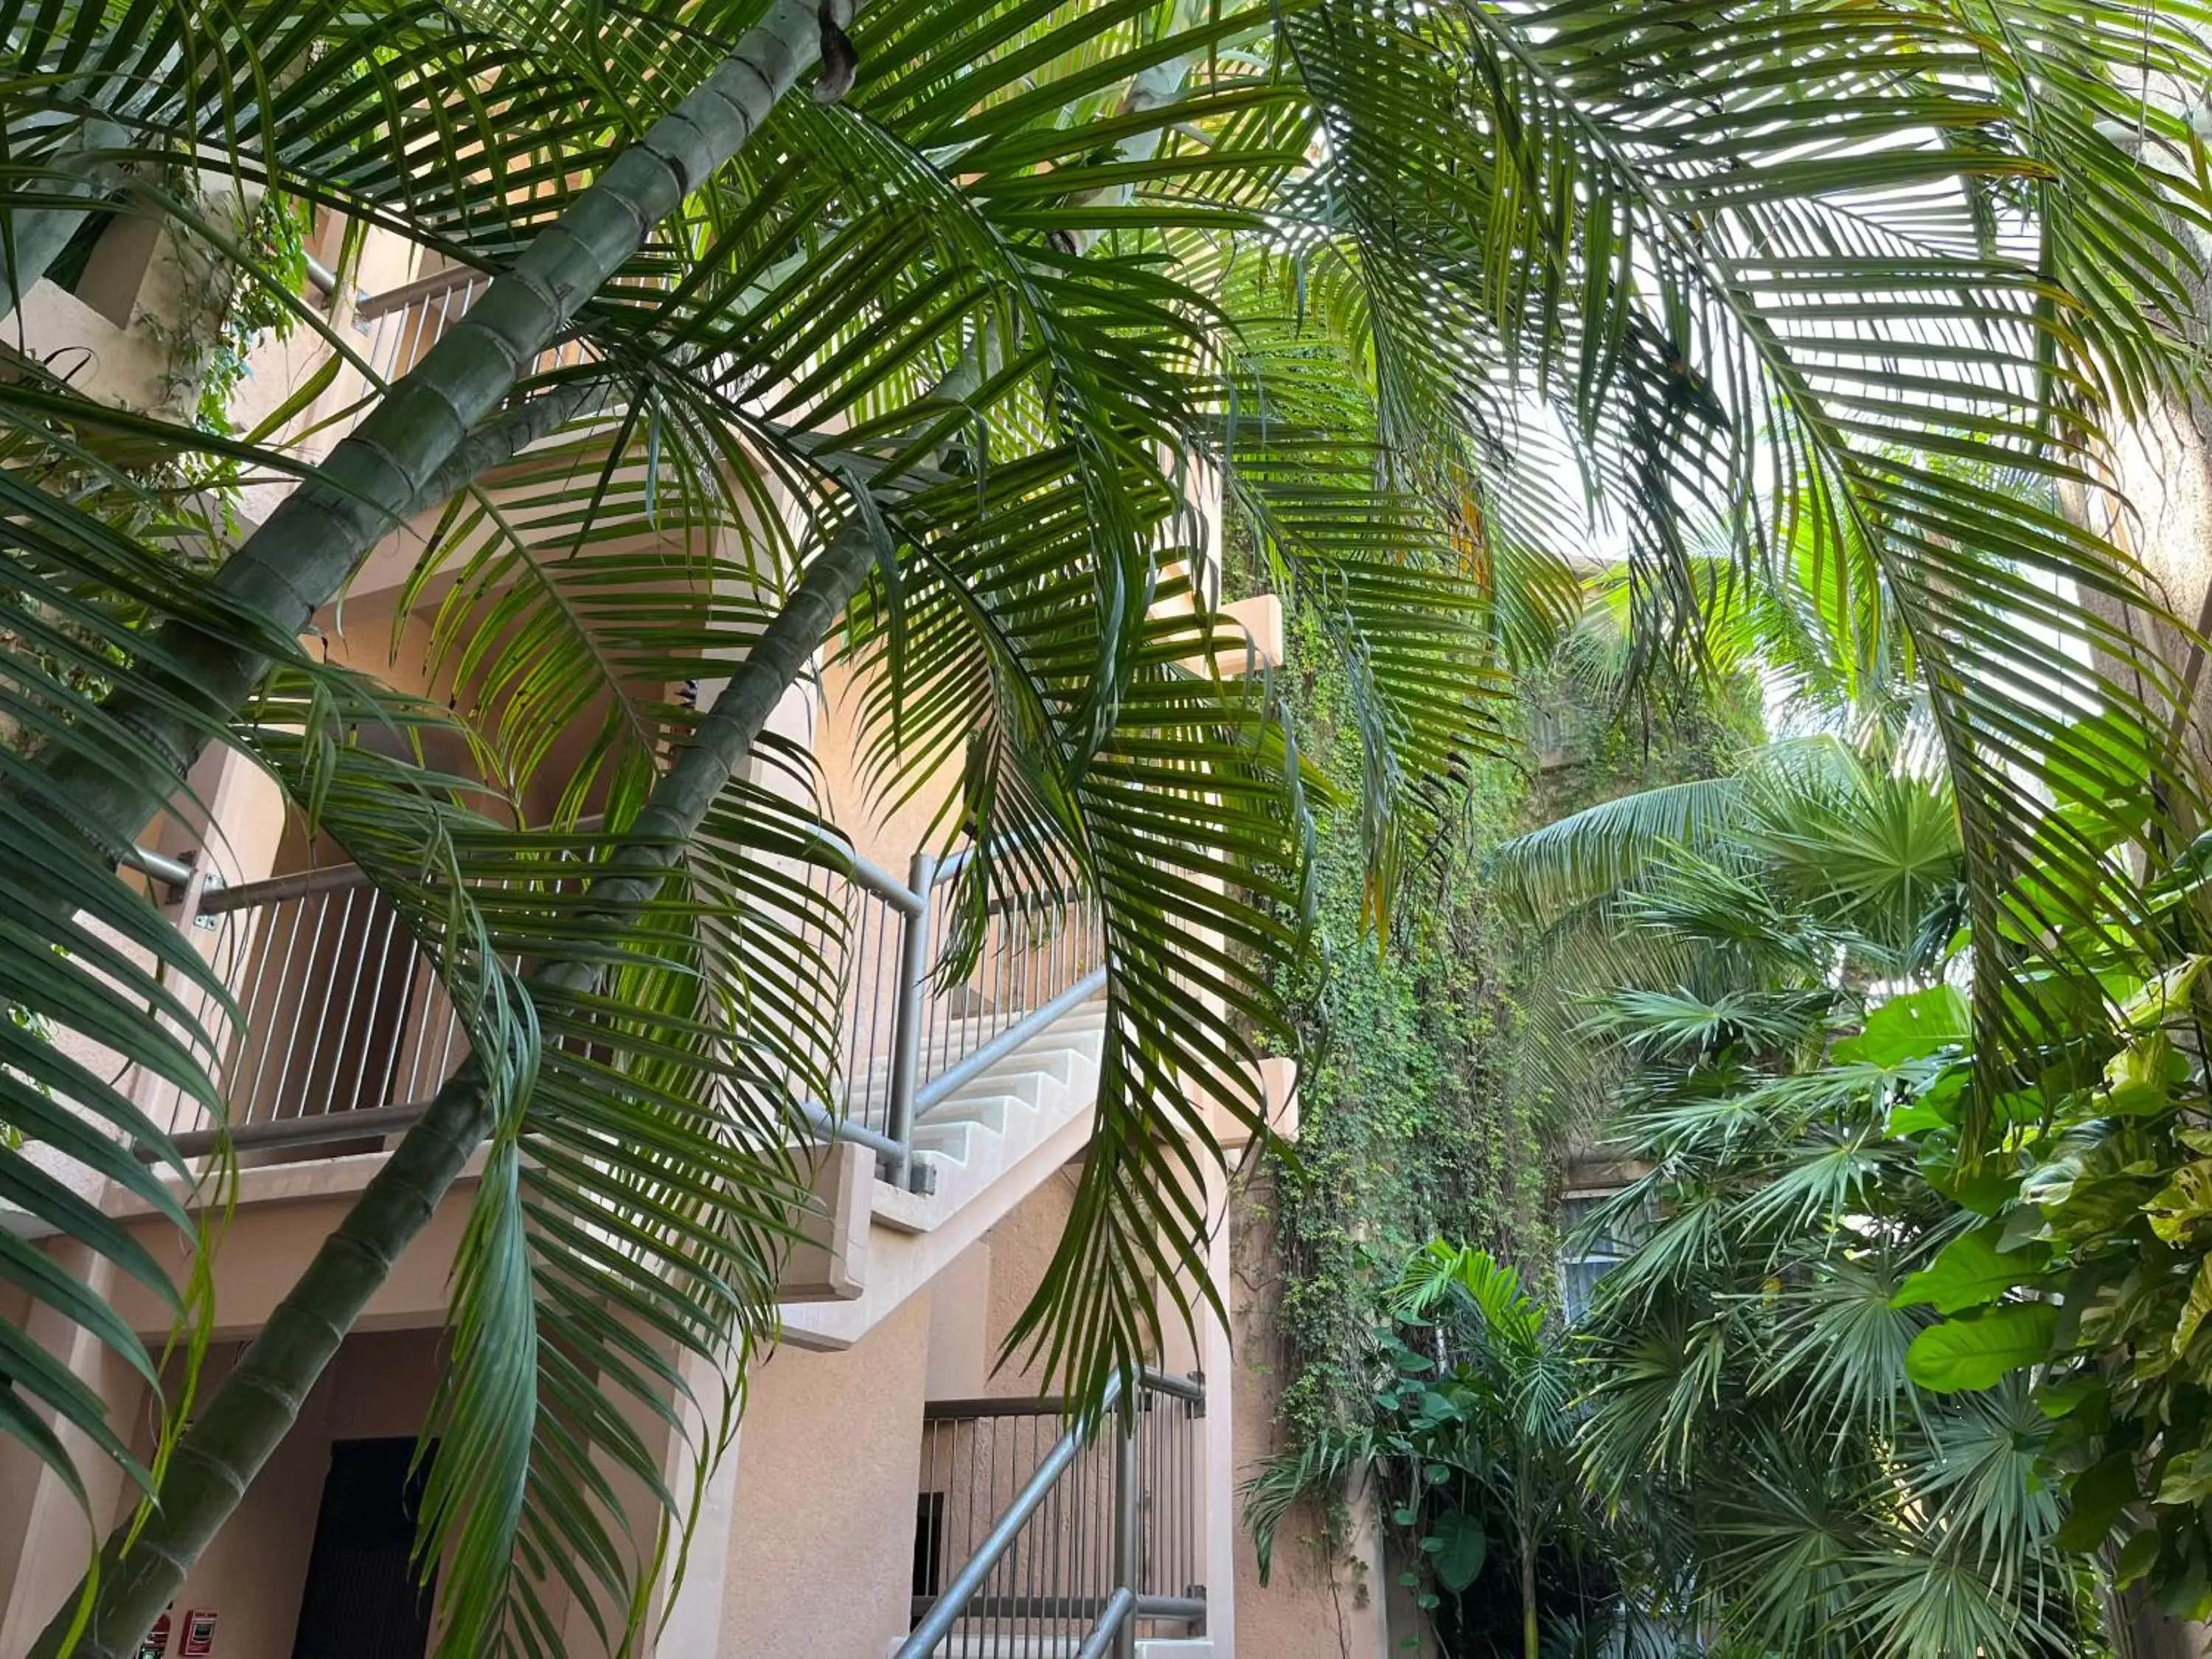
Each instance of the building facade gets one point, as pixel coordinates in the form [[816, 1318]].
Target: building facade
[[886, 1466]]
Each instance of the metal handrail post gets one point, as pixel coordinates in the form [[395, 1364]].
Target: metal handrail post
[[906, 1027], [1120, 1615], [1128, 1473]]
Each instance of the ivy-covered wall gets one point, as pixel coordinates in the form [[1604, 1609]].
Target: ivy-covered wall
[[1409, 1121], [1416, 1122]]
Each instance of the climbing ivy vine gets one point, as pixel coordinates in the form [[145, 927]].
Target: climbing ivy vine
[[1405, 1110], [1418, 1117]]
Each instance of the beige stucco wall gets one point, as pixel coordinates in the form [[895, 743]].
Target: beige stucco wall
[[960, 1327], [822, 1543], [259, 1256], [255, 1570], [1322, 1601], [44, 1539], [887, 832], [822, 1546], [1021, 1248], [253, 1573]]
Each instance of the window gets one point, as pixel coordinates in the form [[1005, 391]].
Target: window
[[1586, 1255]]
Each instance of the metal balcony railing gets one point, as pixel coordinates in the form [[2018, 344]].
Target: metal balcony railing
[[404, 322], [913, 1037], [1038, 1538], [345, 1032]]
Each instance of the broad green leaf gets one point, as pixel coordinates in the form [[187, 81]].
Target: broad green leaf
[[2097, 1494], [1936, 1105], [2081, 766], [1971, 1270], [2184, 1204], [1461, 1547], [2139, 1080], [2163, 994], [1913, 1118], [1979, 1351], [2193, 1311], [2063, 1399], [1909, 1027], [2188, 1478], [2137, 1556], [1985, 1188]]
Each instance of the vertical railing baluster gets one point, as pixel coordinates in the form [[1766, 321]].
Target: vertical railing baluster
[[287, 916], [323, 1016], [1194, 1543], [1027, 1587], [991, 1491], [238, 1087], [1128, 1476], [321, 902], [1148, 1499], [446, 1049], [416, 1032], [373, 1088], [879, 968]]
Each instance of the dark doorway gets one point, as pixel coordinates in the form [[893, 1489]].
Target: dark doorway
[[362, 1600], [929, 1545]]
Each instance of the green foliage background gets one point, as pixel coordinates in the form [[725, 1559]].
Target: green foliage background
[[1422, 1114]]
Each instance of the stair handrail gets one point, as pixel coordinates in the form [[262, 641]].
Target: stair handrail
[[912, 1092], [1124, 1602], [1121, 1608], [937, 1622]]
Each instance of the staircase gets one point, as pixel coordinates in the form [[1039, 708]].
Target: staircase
[[1040, 1540], [985, 1126], [976, 1153]]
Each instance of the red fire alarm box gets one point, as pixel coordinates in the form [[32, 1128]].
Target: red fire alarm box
[[157, 1639], [199, 1635]]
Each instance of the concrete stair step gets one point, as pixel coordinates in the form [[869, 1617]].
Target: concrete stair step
[[1062, 1059], [953, 1143], [988, 1111]]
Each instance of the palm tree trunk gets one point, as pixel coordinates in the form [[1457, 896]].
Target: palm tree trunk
[[298, 560], [1528, 1643], [2151, 1634], [250, 1414]]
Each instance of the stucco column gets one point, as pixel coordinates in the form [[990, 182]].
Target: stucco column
[[693, 1628], [45, 1538], [1217, 1361]]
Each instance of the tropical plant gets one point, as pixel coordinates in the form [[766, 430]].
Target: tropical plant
[[2081, 1271], [1512, 1379], [1749, 1394], [1751, 889], [1839, 1231], [1466, 1444], [977, 312], [1785, 1003]]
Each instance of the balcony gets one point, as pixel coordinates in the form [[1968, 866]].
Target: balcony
[[402, 324], [345, 1031]]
